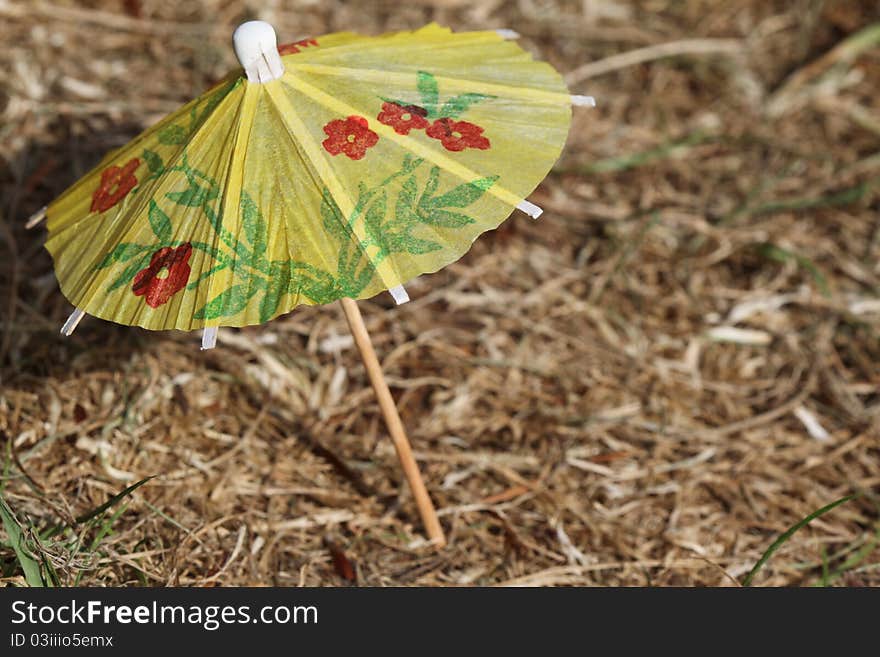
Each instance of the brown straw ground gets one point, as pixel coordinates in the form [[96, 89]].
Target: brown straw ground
[[647, 386]]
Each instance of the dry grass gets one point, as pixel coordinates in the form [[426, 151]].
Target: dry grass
[[621, 393]]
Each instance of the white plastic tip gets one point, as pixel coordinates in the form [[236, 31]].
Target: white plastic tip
[[530, 209], [399, 294], [508, 34], [72, 322], [209, 337], [257, 50], [583, 101]]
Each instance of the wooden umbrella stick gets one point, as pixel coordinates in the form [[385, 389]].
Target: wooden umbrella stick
[[392, 420]]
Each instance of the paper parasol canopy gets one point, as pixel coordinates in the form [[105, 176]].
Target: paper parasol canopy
[[356, 165]]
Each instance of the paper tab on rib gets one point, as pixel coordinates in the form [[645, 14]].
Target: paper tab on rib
[[209, 337], [399, 294], [583, 101], [507, 34], [72, 321], [530, 209], [36, 218]]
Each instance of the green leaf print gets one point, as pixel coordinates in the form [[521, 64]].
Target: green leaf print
[[254, 225], [374, 219], [319, 286], [458, 105], [430, 186], [175, 134], [121, 253], [128, 274], [445, 219], [154, 162], [160, 223], [228, 303], [415, 245], [172, 135], [427, 86], [194, 196], [406, 200], [334, 221], [429, 94], [460, 196], [279, 282]]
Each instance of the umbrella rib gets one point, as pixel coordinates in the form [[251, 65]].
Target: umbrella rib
[[235, 172], [306, 166], [300, 133], [203, 131], [375, 75], [405, 141]]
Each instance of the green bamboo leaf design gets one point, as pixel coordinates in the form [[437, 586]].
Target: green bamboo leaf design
[[227, 303], [210, 249], [175, 135], [407, 197], [342, 263], [410, 163], [154, 162], [363, 279], [194, 196], [160, 223], [254, 225], [319, 286], [130, 272], [212, 103], [334, 221], [445, 219], [427, 86], [193, 285], [172, 135], [457, 105], [122, 252], [430, 186], [460, 196], [415, 245], [279, 283], [374, 219]]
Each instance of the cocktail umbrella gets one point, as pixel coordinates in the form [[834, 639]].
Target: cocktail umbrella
[[329, 169]]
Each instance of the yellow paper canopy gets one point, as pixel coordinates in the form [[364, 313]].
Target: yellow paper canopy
[[370, 161]]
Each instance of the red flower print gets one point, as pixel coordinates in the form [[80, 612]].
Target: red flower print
[[351, 136], [166, 276], [403, 119], [457, 135], [116, 182], [293, 48]]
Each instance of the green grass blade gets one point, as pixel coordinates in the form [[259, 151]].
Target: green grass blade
[[673, 149], [778, 543], [776, 253], [825, 577], [29, 565], [855, 558], [113, 500]]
